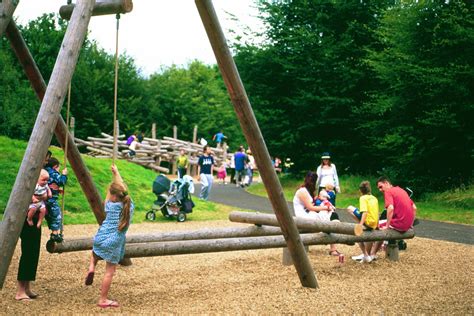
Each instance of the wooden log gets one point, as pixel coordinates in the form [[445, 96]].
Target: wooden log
[[195, 133], [111, 136], [42, 134], [72, 126], [255, 140], [220, 234], [301, 223], [81, 244], [158, 168], [153, 130], [392, 251], [103, 151], [248, 243], [100, 8], [7, 8]]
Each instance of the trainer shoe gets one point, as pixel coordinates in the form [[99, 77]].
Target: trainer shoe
[[367, 259], [374, 257], [358, 258]]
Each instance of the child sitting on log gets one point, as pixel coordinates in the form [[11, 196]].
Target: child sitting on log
[[323, 200], [41, 194], [55, 182], [367, 215]]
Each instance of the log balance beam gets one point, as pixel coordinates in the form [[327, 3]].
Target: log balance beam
[[301, 223], [100, 8], [223, 239]]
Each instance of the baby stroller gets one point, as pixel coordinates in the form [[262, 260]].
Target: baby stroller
[[173, 199]]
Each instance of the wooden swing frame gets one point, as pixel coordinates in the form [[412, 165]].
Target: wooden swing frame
[[49, 119]]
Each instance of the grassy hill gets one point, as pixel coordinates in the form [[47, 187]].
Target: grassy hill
[[451, 206], [77, 210]]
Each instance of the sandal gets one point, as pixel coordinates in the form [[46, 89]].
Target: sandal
[[334, 253], [89, 278]]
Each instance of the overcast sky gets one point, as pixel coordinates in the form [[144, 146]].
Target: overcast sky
[[157, 32]]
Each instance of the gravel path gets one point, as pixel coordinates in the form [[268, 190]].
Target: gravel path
[[238, 197]]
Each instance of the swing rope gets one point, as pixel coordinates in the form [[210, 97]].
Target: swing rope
[[66, 142], [114, 155]]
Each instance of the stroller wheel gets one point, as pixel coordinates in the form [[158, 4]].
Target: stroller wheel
[[150, 215], [181, 217]]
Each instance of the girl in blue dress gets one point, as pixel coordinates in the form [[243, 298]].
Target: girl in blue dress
[[109, 242]]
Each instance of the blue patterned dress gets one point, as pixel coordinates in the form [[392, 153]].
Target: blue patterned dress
[[109, 242]]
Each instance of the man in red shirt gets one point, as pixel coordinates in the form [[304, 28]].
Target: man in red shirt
[[400, 208]]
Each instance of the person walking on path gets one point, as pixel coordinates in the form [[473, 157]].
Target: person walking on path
[[327, 174], [205, 172], [109, 242], [240, 161], [182, 163]]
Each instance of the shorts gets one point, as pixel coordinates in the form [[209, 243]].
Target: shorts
[[357, 213]]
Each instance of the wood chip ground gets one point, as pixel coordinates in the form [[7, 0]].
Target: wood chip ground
[[432, 277]]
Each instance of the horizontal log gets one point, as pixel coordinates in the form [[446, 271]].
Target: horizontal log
[[158, 168], [301, 223], [250, 243], [111, 136], [103, 152], [100, 8], [205, 233]]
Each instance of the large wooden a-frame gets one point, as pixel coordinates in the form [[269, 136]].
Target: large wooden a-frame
[[49, 121]]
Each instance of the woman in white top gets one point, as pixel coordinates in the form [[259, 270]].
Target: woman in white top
[[327, 174], [304, 207]]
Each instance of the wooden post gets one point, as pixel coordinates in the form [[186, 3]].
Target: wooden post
[[72, 126], [42, 134], [392, 251], [7, 7], [175, 131], [255, 140], [153, 130], [173, 166], [195, 133], [100, 8], [74, 157], [301, 223]]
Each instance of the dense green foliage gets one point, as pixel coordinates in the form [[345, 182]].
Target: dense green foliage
[[77, 209], [385, 86]]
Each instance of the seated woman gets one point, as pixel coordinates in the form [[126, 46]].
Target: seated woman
[[304, 207]]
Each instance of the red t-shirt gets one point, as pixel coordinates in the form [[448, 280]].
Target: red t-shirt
[[403, 214]]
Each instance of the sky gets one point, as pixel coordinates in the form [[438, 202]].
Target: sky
[[157, 32]]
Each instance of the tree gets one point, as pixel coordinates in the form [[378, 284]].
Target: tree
[[421, 115]]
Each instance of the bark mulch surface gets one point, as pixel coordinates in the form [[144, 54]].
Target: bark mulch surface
[[431, 277]]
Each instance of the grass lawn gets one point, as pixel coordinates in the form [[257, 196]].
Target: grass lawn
[[77, 210], [451, 206]]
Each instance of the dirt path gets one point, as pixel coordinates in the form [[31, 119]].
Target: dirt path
[[238, 197], [432, 277]]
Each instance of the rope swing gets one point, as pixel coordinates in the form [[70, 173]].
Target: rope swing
[[114, 155], [66, 142]]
